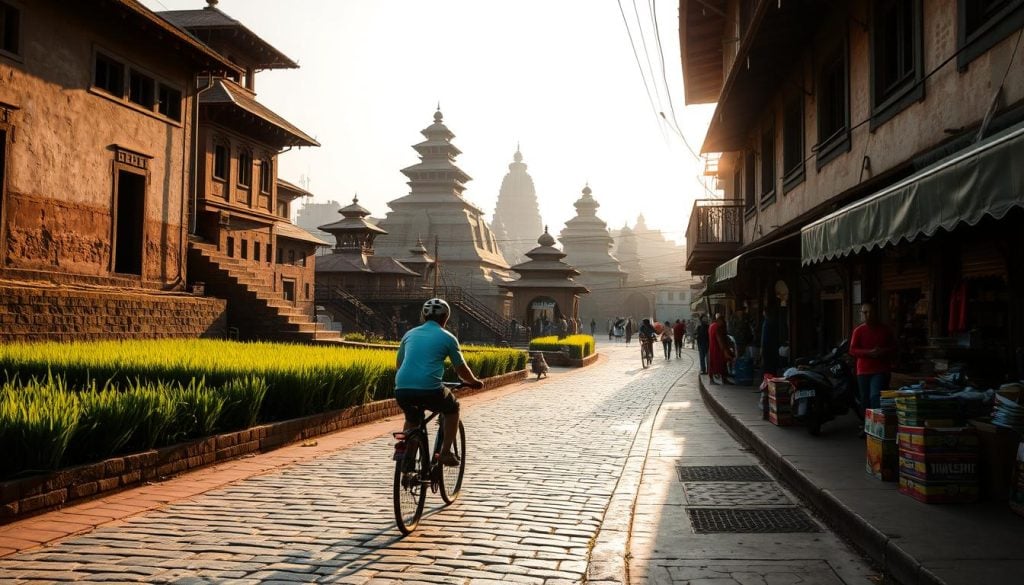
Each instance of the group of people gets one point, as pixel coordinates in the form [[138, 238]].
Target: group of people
[[670, 334], [560, 327], [719, 343]]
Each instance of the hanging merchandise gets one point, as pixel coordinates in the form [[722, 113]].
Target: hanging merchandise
[[958, 309]]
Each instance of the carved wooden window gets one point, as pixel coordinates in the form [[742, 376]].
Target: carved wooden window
[[141, 89], [983, 23], [896, 64], [221, 158], [169, 102], [109, 75], [266, 175], [244, 168], [793, 141]]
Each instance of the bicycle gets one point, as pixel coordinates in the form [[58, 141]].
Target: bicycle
[[416, 469], [646, 351]]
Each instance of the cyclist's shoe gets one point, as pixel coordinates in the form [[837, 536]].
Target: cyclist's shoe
[[450, 459]]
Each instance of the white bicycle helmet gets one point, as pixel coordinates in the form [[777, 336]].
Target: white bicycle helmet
[[436, 308]]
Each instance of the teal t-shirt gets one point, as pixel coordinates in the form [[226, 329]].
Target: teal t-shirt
[[421, 357]]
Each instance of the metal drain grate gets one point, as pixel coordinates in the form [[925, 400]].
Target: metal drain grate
[[733, 494], [712, 520], [721, 473]]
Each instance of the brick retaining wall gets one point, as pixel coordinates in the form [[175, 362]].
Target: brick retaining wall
[[562, 359], [47, 312], [20, 498]]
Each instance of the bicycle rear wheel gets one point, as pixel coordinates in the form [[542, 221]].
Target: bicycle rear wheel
[[451, 477], [412, 476]]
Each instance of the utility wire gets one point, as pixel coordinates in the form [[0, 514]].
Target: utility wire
[[636, 55]]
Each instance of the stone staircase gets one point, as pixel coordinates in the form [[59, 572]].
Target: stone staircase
[[267, 314], [348, 305]]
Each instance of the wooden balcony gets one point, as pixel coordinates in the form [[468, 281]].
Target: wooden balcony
[[714, 234]]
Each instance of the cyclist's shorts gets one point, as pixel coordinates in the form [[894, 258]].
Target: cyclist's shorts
[[414, 402]]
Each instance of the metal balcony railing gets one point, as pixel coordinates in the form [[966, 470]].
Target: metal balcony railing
[[715, 221]]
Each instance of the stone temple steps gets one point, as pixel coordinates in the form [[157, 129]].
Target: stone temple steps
[[271, 316]]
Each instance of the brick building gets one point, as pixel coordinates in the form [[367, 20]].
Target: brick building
[[870, 153], [245, 247], [97, 119]]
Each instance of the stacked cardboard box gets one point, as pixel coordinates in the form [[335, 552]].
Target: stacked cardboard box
[[938, 464], [921, 407], [780, 410], [880, 424]]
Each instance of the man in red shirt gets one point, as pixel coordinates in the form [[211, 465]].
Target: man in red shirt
[[874, 347]]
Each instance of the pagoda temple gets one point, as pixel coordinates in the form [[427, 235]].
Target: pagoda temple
[[467, 252], [353, 263], [587, 245], [546, 290], [362, 290], [627, 251], [516, 215]]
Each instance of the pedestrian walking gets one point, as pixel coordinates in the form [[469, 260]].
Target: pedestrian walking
[[678, 332], [666, 340], [703, 344], [629, 330], [719, 352], [593, 327]]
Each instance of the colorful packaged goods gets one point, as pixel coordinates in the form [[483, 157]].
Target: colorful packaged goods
[[939, 465], [937, 439], [779, 405], [881, 422], [887, 399], [881, 459], [939, 492], [918, 407], [932, 467]]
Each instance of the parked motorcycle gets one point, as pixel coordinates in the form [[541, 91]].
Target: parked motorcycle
[[823, 388]]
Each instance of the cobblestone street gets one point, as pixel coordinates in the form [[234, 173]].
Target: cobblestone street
[[555, 472]]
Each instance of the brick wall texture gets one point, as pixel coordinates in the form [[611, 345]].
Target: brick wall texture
[[42, 312]]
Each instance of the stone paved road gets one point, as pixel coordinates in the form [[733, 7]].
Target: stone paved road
[[552, 483]]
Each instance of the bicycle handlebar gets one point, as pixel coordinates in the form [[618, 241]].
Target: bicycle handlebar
[[455, 385]]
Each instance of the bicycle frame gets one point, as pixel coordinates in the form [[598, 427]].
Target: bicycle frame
[[417, 466]]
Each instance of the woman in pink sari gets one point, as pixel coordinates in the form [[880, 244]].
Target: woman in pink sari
[[719, 352]]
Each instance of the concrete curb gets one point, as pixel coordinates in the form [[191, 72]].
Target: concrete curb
[[895, 561]]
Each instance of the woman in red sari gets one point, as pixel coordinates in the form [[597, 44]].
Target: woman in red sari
[[719, 352]]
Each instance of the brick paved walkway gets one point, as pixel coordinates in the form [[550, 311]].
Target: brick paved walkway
[[543, 464], [556, 469]]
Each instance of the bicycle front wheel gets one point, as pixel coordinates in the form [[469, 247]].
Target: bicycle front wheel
[[412, 476], [451, 477]]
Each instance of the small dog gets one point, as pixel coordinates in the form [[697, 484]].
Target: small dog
[[538, 365]]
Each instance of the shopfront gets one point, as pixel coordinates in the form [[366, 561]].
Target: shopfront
[[939, 254]]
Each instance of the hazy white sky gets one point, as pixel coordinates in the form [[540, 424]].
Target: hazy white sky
[[559, 77]]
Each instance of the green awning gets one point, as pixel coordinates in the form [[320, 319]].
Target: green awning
[[727, 269], [984, 179]]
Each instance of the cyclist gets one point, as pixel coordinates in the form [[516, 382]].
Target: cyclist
[[418, 386], [646, 335]]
